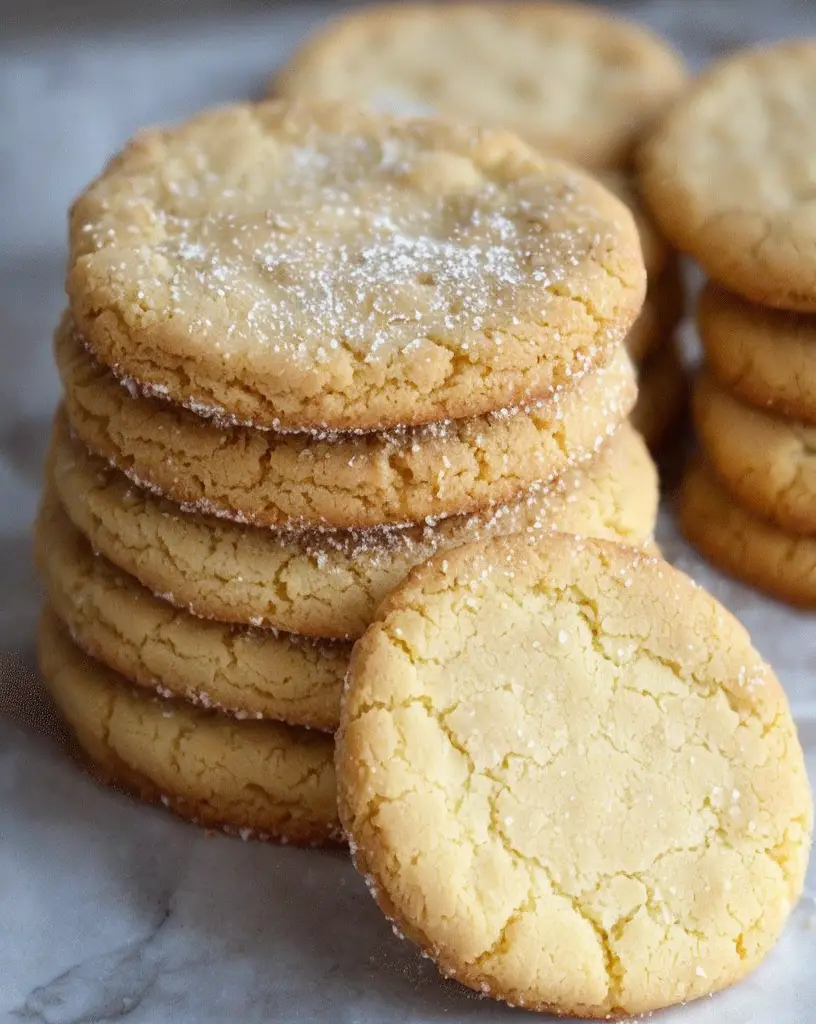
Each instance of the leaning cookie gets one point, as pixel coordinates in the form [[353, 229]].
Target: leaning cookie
[[247, 672], [341, 481], [745, 546], [569, 777], [325, 584], [728, 178], [261, 779]]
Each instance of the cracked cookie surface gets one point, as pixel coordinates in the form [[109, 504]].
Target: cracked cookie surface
[[261, 779], [744, 545], [575, 82], [342, 481], [312, 267], [567, 775], [663, 392], [327, 584], [766, 357], [765, 462], [729, 174], [248, 672]]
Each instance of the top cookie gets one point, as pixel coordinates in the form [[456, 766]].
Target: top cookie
[[731, 179], [571, 778], [575, 82], [304, 267]]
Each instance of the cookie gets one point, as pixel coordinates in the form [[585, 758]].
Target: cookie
[[745, 546], [661, 313], [251, 673], [326, 584], [341, 481], [657, 254], [256, 779], [766, 463], [311, 267], [570, 778], [729, 174], [662, 396], [573, 81], [764, 356]]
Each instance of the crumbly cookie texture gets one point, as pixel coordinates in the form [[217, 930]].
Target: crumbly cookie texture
[[304, 267], [327, 584], [663, 392], [661, 313], [744, 545], [766, 463], [764, 356], [571, 80], [339, 481], [729, 174], [256, 779], [567, 775], [250, 673]]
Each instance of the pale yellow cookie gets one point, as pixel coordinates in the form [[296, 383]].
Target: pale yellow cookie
[[764, 356], [310, 267], [730, 179], [326, 584], [744, 545], [662, 396], [765, 462], [261, 779], [569, 777], [661, 313], [341, 481], [251, 673], [573, 80]]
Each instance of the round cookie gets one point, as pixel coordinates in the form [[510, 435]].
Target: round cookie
[[573, 81], [661, 313], [662, 396], [764, 356], [768, 464], [729, 175], [247, 672], [745, 546], [312, 267], [341, 481], [261, 779], [570, 778], [325, 584]]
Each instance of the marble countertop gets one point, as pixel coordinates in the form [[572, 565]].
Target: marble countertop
[[109, 910]]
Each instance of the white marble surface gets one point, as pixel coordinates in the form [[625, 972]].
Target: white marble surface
[[109, 910]]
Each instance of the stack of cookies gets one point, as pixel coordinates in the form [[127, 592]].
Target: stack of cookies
[[306, 349], [731, 178], [573, 81]]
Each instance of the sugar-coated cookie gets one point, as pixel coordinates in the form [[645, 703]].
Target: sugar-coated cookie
[[256, 779], [767, 463], [311, 267], [572, 80], [343, 481], [729, 174], [764, 356], [568, 776], [327, 584], [747, 547], [663, 393], [251, 673]]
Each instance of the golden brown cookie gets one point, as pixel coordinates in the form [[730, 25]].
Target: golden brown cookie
[[341, 481], [729, 176], [261, 779], [310, 267], [573, 80], [251, 673], [569, 777], [767, 463], [327, 584], [661, 313], [657, 254], [764, 356], [662, 396], [744, 545]]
